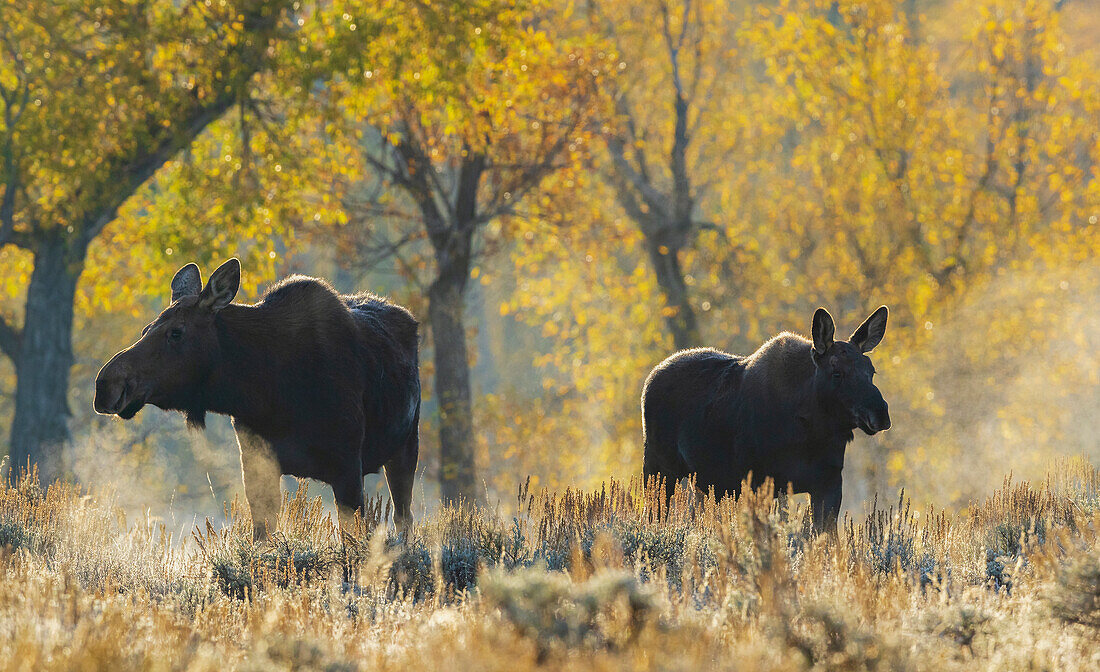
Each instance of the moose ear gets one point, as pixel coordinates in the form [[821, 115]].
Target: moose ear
[[222, 286], [186, 282], [871, 331], [822, 331]]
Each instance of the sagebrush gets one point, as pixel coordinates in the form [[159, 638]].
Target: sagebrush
[[611, 579]]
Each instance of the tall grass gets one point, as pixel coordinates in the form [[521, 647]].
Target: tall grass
[[612, 579]]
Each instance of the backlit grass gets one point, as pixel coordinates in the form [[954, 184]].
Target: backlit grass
[[608, 579]]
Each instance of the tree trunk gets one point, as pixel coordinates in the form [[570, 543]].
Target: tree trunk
[[912, 20], [446, 313], [452, 387], [681, 321], [40, 429]]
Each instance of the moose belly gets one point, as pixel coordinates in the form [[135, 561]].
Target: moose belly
[[804, 468], [301, 460], [808, 475]]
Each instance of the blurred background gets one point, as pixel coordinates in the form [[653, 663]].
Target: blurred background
[[564, 193]]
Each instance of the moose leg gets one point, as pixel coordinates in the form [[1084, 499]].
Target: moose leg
[[400, 472], [260, 471], [651, 471], [782, 504], [825, 506], [348, 492]]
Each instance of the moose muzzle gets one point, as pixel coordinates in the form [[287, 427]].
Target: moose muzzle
[[116, 390], [873, 421]]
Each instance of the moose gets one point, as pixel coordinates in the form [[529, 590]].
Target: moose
[[317, 384], [785, 412]]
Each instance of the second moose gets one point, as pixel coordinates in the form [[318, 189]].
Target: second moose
[[785, 412]]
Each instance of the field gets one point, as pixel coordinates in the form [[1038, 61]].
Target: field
[[604, 580], [562, 194]]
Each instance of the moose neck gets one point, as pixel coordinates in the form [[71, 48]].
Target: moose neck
[[826, 417], [242, 380]]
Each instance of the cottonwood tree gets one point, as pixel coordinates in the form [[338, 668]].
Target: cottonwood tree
[[94, 101], [461, 136], [676, 123], [912, 176], [648, 250]]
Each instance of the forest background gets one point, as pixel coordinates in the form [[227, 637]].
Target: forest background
[[564, 193]]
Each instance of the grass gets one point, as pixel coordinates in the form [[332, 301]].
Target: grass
[[609, 580]]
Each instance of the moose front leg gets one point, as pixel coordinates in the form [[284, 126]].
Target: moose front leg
[[825, 506], [348, 492], [261, 473], [782, 505]]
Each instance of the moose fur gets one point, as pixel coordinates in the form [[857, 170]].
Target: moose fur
[[785, 412]]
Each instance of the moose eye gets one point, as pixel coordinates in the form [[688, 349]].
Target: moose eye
[[837, 375], [175, 334]]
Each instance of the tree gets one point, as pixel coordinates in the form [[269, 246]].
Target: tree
[[95, 101], [461, 136], [674, 128], [657, 238]]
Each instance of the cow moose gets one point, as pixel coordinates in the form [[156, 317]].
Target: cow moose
[[317, 384], [787, 412]]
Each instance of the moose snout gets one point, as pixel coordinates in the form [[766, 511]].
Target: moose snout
[[110, 394], [882, 421], [873, 418], [878, 420], [112, 388]]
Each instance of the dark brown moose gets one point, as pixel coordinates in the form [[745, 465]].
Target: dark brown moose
[[317, 384], [787, 412]]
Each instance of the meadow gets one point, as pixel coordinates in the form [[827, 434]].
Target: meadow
[[609, 579], [563, 194]]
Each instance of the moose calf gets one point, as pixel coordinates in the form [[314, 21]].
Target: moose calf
[[787, 412], [318, 385]]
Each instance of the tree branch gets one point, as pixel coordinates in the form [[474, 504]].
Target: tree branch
[[653, 199], [128, 171], [414, 170], [989, 169], [469, 178], [628, 200], [532, 174], [134, 171], [385, 249], [15, 103], [7, 204]]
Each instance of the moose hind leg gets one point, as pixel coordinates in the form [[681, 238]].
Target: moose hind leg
[[653, 471], [260, 472], [347, 489], [400, 472], [399, 477]]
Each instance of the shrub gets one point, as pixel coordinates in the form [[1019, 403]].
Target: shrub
[[1076, 594], [606, 611]]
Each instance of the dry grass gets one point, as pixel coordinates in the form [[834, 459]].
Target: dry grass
[[607, 580]]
